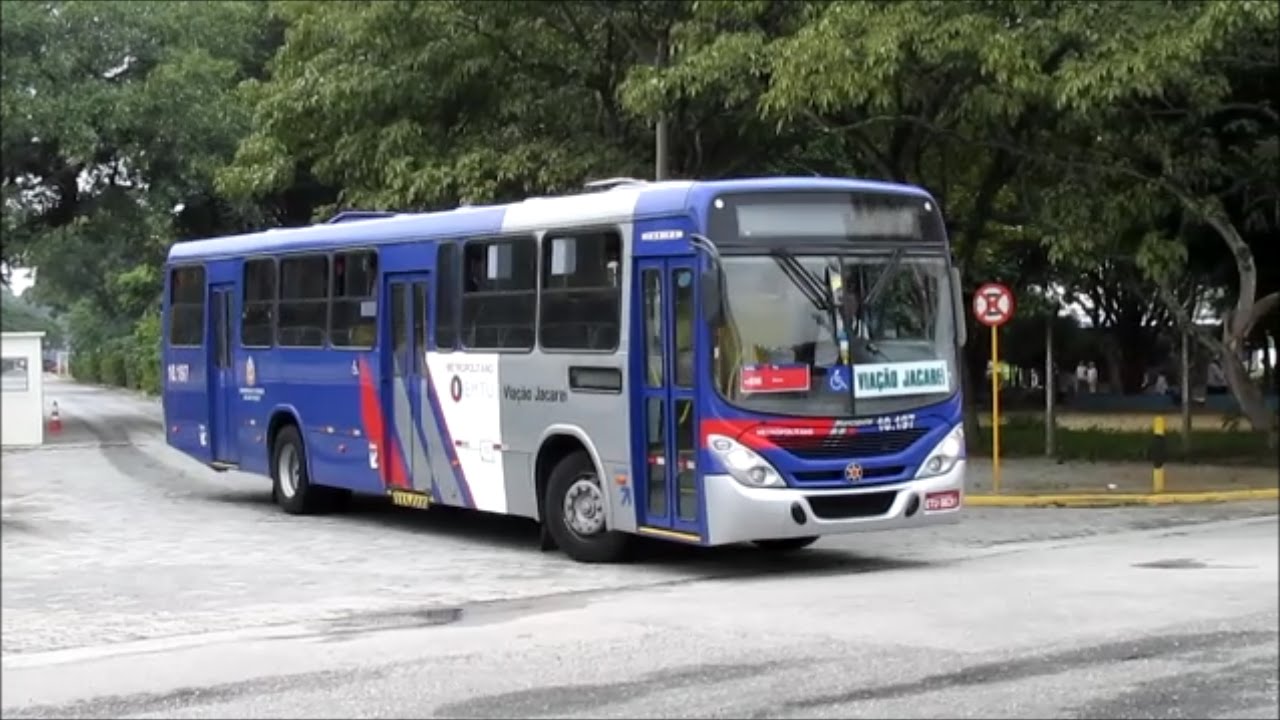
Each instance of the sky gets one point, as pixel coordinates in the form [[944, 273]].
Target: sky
[[21, 281]]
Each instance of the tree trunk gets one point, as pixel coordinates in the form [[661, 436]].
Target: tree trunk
[[1114, 359], [1252, 402], [1238, 323]]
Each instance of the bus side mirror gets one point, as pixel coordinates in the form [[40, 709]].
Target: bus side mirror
[[711, 279], [958, 308]]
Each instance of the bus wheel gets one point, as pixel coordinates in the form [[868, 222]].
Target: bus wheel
[[290, 488], [786, 544], [575, 513]]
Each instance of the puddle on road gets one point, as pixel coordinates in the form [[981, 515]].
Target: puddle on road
[[350, 625], [1186, 564], [395, 620]]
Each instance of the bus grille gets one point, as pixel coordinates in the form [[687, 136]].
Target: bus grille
[[857, 445], [843, 507]]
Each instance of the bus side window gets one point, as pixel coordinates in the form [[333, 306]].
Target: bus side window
[[258, 303], [353, 307], [500, 300], [186, 306], [304, 301], [447, 277], [580, 294], [683, 306], [653, 327]]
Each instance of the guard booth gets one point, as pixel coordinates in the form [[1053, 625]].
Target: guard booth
[[22, 389]]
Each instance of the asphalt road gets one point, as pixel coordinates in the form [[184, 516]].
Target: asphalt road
[[138, 584]]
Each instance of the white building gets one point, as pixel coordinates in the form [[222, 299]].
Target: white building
[[22, 389]]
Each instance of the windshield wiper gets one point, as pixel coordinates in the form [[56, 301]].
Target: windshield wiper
[[807, 282], [841, 324], [869, 298], [889, 268]]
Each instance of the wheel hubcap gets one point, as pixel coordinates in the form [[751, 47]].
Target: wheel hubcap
[[584, 506], [289, 468]]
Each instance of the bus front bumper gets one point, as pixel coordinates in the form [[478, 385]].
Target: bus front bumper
[[736, 513]]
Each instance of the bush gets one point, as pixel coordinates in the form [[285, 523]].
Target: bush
[[86, 367], [1024, 437], [144, 354], [114, 359]]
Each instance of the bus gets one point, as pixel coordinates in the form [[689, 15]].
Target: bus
[[764, 360]]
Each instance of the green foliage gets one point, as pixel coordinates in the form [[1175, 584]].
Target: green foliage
[[143, 361], [19, 315], [115, 115], [1101, 147], [448, 101], [86, 366], [112, 369]]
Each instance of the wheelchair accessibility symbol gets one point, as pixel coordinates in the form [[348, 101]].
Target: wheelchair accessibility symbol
[[838, 378]]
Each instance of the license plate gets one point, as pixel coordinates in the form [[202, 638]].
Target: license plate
[[948, 500]]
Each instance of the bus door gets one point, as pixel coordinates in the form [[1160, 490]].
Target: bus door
[[668, 489], [404, 399], [222, 377]]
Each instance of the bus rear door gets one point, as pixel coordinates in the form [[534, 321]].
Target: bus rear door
[[669, 491], [222, 377], [404, 383]]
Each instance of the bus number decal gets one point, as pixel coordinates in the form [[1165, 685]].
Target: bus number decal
[[905, 421]]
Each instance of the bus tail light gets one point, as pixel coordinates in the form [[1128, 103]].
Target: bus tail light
[[744, 464]]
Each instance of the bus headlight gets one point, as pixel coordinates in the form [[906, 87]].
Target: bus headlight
[[744, 464], [945, 455]]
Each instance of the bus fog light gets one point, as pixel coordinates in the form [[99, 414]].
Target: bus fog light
[[744, 464], [945, 455]]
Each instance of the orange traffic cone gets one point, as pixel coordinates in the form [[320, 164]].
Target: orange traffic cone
[[55, 419]]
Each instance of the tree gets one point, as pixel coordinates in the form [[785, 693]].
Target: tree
[[445, 103], [1174, 120], [116, 115], [18, 315]]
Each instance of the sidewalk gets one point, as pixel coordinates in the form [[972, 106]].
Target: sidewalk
[[1101, 483]]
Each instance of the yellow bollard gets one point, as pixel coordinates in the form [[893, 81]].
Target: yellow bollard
[[1157, 455]]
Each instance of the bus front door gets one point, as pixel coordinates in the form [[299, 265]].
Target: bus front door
[[404, 356], [668, 489], [224, 438]]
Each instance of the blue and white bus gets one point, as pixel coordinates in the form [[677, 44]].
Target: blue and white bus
[[767, 360]]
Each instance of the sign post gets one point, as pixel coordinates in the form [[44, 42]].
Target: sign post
[[993, 306]]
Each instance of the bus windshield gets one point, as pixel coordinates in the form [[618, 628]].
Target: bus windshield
[[779, 347]]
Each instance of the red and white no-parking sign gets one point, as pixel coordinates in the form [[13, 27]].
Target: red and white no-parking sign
[[993, 304]]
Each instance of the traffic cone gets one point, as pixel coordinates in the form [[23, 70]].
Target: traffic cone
[[55, 419]]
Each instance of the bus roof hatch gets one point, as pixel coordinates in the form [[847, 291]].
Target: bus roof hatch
[[354, 215]]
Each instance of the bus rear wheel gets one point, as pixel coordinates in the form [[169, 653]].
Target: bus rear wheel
[[575, 512], [786, 544], [291, 486]]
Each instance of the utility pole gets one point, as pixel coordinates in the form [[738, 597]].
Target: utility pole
[[1185, 382], [1049, 384], [660, 128]]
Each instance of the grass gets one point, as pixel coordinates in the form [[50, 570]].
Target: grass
[[1121, 438]]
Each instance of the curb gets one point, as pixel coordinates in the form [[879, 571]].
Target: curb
[[1087, 500]]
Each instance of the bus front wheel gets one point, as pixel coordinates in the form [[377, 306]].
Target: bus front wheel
[[575, 512], [786, 544]]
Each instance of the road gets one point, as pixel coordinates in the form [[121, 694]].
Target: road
[[138, 584]]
